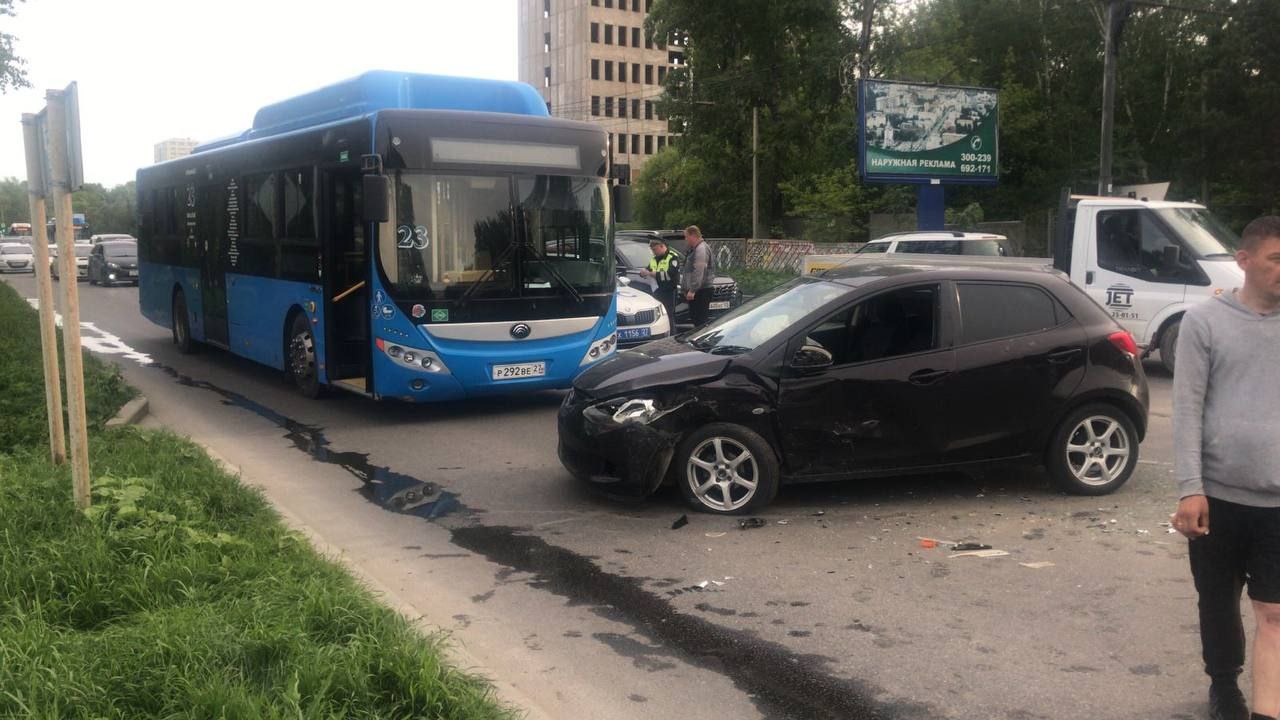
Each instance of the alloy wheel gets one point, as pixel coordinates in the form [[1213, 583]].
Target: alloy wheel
[[1098, 450], [722, 473]]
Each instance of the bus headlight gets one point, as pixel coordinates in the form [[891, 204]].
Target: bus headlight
[[413, 358], [600, 349]]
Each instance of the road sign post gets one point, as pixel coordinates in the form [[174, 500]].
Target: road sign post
[[44, 290], [62, 133]]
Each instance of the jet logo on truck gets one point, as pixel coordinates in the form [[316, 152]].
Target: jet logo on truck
[[1120, 300]]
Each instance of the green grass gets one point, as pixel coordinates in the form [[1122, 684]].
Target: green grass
[[23, 422], [180, 594]]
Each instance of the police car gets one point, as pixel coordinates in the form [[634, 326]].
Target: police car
[[641, 317]]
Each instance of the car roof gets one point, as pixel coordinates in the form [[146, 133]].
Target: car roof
[[118, 242], [858, 271], [14, 244]]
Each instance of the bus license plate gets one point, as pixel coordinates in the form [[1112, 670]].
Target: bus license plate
[[633, 333], [519, 371], [722, 305]]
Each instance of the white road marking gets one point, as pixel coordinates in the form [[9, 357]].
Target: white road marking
[[100, 341]]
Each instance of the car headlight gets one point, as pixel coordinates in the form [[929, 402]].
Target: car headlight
[[657, 314], [600, 349], [625, 410], [113, 266]]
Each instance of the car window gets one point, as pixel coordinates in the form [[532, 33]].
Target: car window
[[14, 250], [989, 311], [874, 248], [767, 316], [891, 324], [636, 254], [1133, 243], [83, 250], [121, 250]]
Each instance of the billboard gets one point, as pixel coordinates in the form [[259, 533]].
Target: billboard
[[918, 133]]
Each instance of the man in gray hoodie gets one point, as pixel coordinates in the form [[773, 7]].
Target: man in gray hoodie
[[1226, 427]]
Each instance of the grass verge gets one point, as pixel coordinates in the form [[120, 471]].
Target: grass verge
[[181, 594]]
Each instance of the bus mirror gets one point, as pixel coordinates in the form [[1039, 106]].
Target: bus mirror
[[375, 199], [622, 203]]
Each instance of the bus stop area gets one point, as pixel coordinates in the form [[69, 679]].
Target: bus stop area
[[843, 599]]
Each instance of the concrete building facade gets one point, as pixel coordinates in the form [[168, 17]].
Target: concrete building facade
[[591, 61], [174, 148]]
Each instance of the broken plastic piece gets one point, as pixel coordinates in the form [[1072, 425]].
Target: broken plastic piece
[[784, 522], [751, 523], [988, 553], [1037, 565], [965, 547], [928, 543], [715, 534], [680, 522]]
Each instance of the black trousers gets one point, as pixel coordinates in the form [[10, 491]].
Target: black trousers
[[1242, 548], [667, 296], [700, 307]]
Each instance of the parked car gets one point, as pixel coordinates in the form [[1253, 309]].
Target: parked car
[[82, 251], [95, 239], [112, 262], [16, 257], [880, 367], [633, 253], [641, 318]]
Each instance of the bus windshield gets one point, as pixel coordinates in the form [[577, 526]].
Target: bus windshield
[[456, 237]]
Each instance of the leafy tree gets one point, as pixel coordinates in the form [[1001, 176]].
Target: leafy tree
[[13, 72]]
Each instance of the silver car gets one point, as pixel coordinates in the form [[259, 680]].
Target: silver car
[[16, 257], [82, 260]]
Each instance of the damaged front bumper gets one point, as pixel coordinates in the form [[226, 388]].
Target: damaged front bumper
[[623, 446]]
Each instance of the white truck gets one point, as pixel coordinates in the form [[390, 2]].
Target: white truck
[[1144, 261]]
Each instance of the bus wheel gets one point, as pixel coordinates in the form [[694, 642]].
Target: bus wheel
[[302, 357], [182, 325]]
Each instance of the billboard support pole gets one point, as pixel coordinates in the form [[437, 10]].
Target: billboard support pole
[[44, 291], [63, 180], [931, 207], [755, 173]]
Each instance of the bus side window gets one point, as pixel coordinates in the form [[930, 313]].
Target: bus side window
[[257, 254], [300, 248]]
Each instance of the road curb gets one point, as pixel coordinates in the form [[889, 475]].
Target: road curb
[[131, 414]]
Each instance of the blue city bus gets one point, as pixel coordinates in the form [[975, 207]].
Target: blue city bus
[[397, 235]]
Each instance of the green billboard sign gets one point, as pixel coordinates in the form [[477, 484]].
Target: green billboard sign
[[916, 133]]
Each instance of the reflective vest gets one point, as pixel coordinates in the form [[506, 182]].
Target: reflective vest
[[662, 268]]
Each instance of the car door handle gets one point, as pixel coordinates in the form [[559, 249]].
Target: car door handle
[[927, 376], [1064, 355]]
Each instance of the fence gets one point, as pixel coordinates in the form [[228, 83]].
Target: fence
[[773, 255]]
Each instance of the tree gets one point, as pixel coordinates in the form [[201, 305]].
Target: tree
[[13, 72]]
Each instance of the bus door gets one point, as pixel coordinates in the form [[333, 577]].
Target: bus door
[[214, 254], [346, 282]]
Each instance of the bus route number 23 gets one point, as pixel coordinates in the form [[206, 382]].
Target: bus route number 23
[[409, 237]]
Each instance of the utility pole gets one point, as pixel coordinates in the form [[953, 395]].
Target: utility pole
[[62, 180], [864, 42], [755, 173], [1115, 20], [44, 290]]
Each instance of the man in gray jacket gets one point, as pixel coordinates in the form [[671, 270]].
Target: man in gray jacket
[[1226, 425], [698, 276]]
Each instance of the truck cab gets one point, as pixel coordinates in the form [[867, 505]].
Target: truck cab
[[1146, 262]]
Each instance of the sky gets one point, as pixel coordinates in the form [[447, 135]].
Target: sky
[[149, 70]]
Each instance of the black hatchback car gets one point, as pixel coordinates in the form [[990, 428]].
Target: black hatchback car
[[879, 367], [114, 261]]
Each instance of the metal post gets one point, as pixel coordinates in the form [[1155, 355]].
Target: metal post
[[755, 173], [44, 292], [73, 359], [1112, 48]]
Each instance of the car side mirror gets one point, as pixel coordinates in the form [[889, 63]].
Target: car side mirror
[[811, 358], [1171, 258]]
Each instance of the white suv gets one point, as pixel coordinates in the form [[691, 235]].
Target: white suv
[[939, 243]]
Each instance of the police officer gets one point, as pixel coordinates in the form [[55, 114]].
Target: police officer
[[664, 268]]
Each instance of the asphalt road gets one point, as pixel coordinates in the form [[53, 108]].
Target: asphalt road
[[590, 608]]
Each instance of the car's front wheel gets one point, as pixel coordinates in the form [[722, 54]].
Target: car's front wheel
[[727, 469], [1094, 451]]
